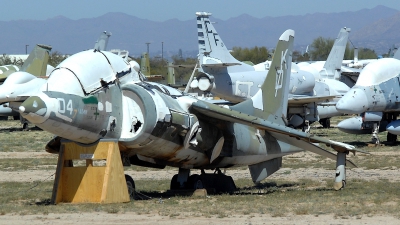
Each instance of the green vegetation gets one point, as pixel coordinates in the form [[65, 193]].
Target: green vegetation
[[56, 58], [7, 60], [321, 47], [255, 55]]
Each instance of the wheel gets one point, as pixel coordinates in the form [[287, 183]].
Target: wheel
[[195, 182], [375, 141], [328, 123], [25, 126], [131, 186], [175, 185]]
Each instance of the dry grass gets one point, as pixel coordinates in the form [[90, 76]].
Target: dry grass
[[277, 197]]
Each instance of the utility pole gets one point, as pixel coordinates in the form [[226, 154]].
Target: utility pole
[[26, 49], [162, 51], [148, 43]]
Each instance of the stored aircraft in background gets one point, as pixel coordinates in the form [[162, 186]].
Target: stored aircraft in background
[[102, 42], [19, 85], [375, 97], [96, 95], [310, 98]]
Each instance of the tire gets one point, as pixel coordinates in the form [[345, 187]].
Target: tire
[[174, 183], [195, 182], [131, 186], [328, 123], [391, 137]]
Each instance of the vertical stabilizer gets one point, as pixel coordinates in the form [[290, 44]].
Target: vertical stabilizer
[[271, 101], [36, 63], [397, 54], [333, 65], [211, 47], [171, 74], [101, 43], [145, 64], [355, 55]]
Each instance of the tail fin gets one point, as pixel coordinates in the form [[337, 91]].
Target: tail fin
[[36, 63], [171, 74], [145, 64], [397, 54], [333, 64], [271, 101], [211, 45], [101, 43]]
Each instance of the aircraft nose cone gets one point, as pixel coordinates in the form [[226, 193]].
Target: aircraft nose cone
[[34, 109], [33, 104], [353, 102]]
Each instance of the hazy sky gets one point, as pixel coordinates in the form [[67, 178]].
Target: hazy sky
[[161, 10]]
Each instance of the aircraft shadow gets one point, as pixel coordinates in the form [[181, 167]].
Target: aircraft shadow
[[13, 129], [260, 189]]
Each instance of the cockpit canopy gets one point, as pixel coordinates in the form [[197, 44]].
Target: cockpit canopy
[[378, 71]]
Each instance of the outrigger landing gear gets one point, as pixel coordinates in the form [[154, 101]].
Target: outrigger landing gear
[[217, 181], [340, 180], [375, 131]]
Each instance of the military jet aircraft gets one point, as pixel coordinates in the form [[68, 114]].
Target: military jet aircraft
[[375, 97], [20, 84], [145, 68], [224, 76], [96, 95], [24, 80]]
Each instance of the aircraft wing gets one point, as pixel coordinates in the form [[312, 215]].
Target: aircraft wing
[[301, 100], [282, 133]]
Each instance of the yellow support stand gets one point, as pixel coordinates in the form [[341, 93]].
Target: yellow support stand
[[90, 183]]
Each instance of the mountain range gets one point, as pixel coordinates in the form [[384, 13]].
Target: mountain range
[[377, 28]]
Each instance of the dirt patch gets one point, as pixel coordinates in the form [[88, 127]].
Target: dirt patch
[[154, 218]]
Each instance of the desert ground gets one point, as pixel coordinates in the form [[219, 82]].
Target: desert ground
[[301, 192]]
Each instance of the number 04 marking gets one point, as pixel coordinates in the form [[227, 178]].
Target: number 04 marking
[[62, 107]]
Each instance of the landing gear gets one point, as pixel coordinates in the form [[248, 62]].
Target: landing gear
[[340, 180], [24, 123], [391, 137], [306, 128], [326, 123], [216, 181], [195, 182], [375, 131], [131, 186]]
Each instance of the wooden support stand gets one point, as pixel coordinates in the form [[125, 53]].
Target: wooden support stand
[[90, 183]]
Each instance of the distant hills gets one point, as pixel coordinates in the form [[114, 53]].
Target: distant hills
[[377, 28]]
